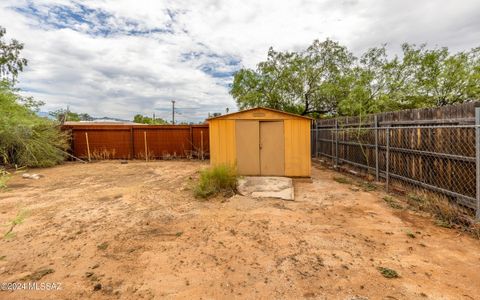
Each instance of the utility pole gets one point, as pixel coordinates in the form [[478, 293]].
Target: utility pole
[[173, 112], [65, 119]]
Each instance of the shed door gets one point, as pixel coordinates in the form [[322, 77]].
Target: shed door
[[248, 151], [272, 148]]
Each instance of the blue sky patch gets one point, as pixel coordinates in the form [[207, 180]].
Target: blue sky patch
[[215, 65], [79, 17]]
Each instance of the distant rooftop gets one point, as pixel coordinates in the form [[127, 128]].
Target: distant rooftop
[[100, 122]]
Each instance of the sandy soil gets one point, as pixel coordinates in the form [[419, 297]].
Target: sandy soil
[[136, 230]]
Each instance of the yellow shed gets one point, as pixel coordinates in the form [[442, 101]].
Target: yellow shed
[[262, 141]]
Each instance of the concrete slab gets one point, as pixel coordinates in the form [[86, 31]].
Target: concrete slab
[[266, 187]]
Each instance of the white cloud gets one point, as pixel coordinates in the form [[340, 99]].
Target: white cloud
[[127, 57]]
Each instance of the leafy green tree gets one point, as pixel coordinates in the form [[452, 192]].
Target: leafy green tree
[[213, 115], [63, 115], [308, 82], [147, 120], [420, 78], [441, 78], [25, 138], [10, 61], [326, 79], [375, 83]]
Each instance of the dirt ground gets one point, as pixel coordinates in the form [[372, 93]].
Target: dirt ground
[[134, 231]]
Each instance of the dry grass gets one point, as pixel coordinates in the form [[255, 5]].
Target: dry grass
[[342, 180], [4, 176], [392, 202], [446, 213], [216, 180], [102, 154]]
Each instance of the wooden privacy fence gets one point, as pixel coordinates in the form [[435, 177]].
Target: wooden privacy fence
[[436, 149], [99, 141]]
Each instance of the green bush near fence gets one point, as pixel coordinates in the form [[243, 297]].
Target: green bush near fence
[[25, 138]]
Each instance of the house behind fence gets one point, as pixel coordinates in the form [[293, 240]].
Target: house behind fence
[[133, 141], [435, 149]]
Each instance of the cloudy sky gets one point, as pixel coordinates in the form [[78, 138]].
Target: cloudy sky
[[122, 57]]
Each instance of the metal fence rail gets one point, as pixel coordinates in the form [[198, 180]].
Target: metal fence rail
[[440, 158]]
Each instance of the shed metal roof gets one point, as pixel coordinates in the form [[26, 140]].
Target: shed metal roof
[[259, 108]]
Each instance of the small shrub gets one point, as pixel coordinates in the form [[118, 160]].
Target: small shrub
[[443, 224], [25, 138], [418, 201], [392, 203], [215, 180], [475, 230], [388, 273], [103, 246], [39, 274], [367, 186], [342, 180], [4, 177]]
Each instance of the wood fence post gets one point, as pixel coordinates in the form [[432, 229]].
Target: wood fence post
[[332, 145], [477, 159], [375, 119], [88, 146], [146, 149], [192, 147], [387, 161], [132, 144], [72, 141], [316, 138], [336, 143], [201, 144]]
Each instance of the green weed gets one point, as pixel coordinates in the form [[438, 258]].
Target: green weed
[[103, 246], [367, 186], [19, 219], [4, 177], [388, 273], [391, 202], [342, 180]]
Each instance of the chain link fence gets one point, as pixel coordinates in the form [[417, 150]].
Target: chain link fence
[[439, 158]]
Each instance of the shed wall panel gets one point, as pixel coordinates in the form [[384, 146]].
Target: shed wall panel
[[222, 142], [297, 148]]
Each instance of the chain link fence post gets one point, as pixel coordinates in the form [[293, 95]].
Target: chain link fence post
[[336, 143], [477, 159], [387, 161], [332, 145], [316, 138], [375, 119]]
